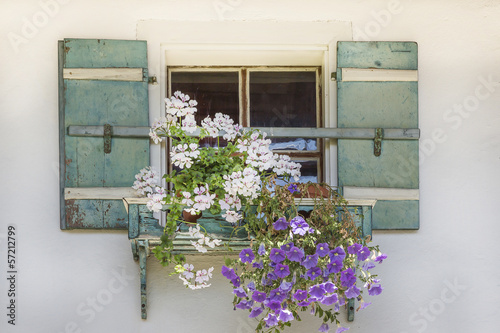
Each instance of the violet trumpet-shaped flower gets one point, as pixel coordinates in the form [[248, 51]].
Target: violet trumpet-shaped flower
[[246, 255], [255, 312], [299, 226], [281, 224], [271, 320], [240, 292], [354, 248], [347, 278], [300, 295], [310, 261], [322, 249], [285, 316], [262, 249], [352, 292], [364, 253], [282, 271], [228, 273], [277, 255], [375, 290], [259, 296], [337, 252], [324, 328], [293, 188], [295, 254], [313, 272]]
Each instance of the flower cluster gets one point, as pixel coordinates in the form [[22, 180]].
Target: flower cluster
[[200, 278], [145, 181], [303, 264], [229, 176]]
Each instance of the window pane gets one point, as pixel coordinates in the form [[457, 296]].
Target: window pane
[[284, 99], [308, 172], [214, 91]]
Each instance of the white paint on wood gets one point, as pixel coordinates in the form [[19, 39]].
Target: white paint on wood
[[377, 193], [107, 74], [99, 193], [368, 74], [351, 202]]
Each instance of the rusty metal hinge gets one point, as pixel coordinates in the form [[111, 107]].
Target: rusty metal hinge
[[379, 134], [108, 131]]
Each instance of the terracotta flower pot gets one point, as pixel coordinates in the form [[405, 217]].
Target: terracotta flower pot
[[188, 217], [313, 191]]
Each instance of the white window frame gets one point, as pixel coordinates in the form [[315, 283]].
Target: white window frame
[[246, 43]]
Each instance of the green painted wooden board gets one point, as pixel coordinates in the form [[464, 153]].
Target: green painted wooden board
[[94, 102], [381, 104]]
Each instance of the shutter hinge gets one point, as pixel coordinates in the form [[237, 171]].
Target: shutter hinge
[[108, 131], [153, 80], [379, 134], [333, 76]]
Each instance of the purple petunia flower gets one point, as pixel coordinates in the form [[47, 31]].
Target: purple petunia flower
[[293, 188], [304, 303], [287, 246], [317, 291], [236, 281], [277, 255], [228, 273], [329, 300], [244, 304], [240, 292], [381, 258], [259, 296], [363, 305], [281, 224], [322, 249], [313, 272], [262, 249], [271, 276], [251, 286], [364, 253], [295, 254], [337, 252], [277, 295], [274, 305], [347, 278], [285, 316], [329, 287], [282, 270], [286, 286], [324, 328], [375, 290], [335, 266], [255, 312], [299, 225], [354, 248], [310, 261], [271, 320], [341, 329], [259, 265], [300, 295], [352, 292], [246, 255], [368, 265]]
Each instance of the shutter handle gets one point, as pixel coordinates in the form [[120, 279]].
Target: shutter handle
[[377, 149], [108, 131]]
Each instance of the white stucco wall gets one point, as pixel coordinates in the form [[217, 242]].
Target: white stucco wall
[[441, 278]]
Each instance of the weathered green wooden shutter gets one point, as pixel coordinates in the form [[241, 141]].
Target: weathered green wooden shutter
[[103, 95], [377, 88]]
